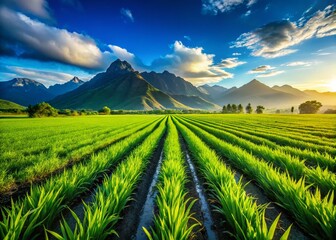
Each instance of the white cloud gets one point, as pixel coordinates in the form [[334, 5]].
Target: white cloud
[[214, 7], [276, 39], [261, 69], [270, 74], [187, 37], [248, 13], [236, 54], [230, 63], [298, 63], [38, 8], [46, 77], [127, 14], [47, 42], [192, 64]]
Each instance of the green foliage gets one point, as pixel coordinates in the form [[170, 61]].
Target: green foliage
[[260, 109], [240, 210], [310, 107], [249, 108], [41, 110], [240, 109], [173, 218], [43, 203], [105, 110]]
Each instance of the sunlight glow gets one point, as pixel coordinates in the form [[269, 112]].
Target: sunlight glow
[[332, 85]]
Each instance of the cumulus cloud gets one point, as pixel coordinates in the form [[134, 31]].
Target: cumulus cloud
[[298, 63], [261, 69], [230, 63], [270, 74], [192, 64], [51, 43], [37, 8], [213, 7], [127, 14], [276, 38]]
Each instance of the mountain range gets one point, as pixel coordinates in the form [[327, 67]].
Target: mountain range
[[121, 87]]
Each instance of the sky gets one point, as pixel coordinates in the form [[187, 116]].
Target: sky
[[223, 42]]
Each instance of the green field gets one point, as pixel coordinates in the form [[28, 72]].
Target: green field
[[196, 177]]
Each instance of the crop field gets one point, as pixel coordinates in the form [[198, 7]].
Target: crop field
[[205, 176]]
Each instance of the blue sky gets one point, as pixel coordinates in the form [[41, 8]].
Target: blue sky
[[224, 42]]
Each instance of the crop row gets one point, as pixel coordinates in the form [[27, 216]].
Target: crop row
[[27, 217], [311, 158], [38, 166], [174, 209], [280, 140], [111, 197], [316, 215], [323, 179], [241, 211]]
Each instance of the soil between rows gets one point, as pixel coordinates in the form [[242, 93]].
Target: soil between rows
[[22, 188], [200, 232], [130, 216]]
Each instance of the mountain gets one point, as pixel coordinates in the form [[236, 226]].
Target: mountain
[[171, 84], [120, 87], [289, 89], [8, 105], [59, 89], [196, 102], [326, 98], [213, 91], [258, 93], [24, 91]]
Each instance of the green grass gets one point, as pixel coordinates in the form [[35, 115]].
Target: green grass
[[290, 157]]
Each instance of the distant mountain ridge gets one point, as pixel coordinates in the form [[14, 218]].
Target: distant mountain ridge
[[121, 87], [59, 89]]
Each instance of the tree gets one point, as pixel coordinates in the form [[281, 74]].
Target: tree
[[229, 108], [105, 110], [260, 109], [277, 111], [240, 108], [234, 108], [224, 110], [292, 109], [41, 110], [249, 108], [310, 107]]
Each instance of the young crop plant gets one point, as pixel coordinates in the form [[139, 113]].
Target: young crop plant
[[323, 179], [43, 203], [173, 220], [102, 214], [310, 158], [314, 213], [246, 218]]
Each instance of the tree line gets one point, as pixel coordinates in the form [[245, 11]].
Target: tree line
[[233, 108]]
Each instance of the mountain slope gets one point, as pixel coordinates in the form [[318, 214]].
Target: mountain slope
[[196, 102], [258, 93], [120, 87], [171, 84], [213, 91], [4, 104], [59, 89], [24, 91], [289, 89]]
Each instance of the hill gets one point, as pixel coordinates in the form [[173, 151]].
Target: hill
[[8, 105]]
